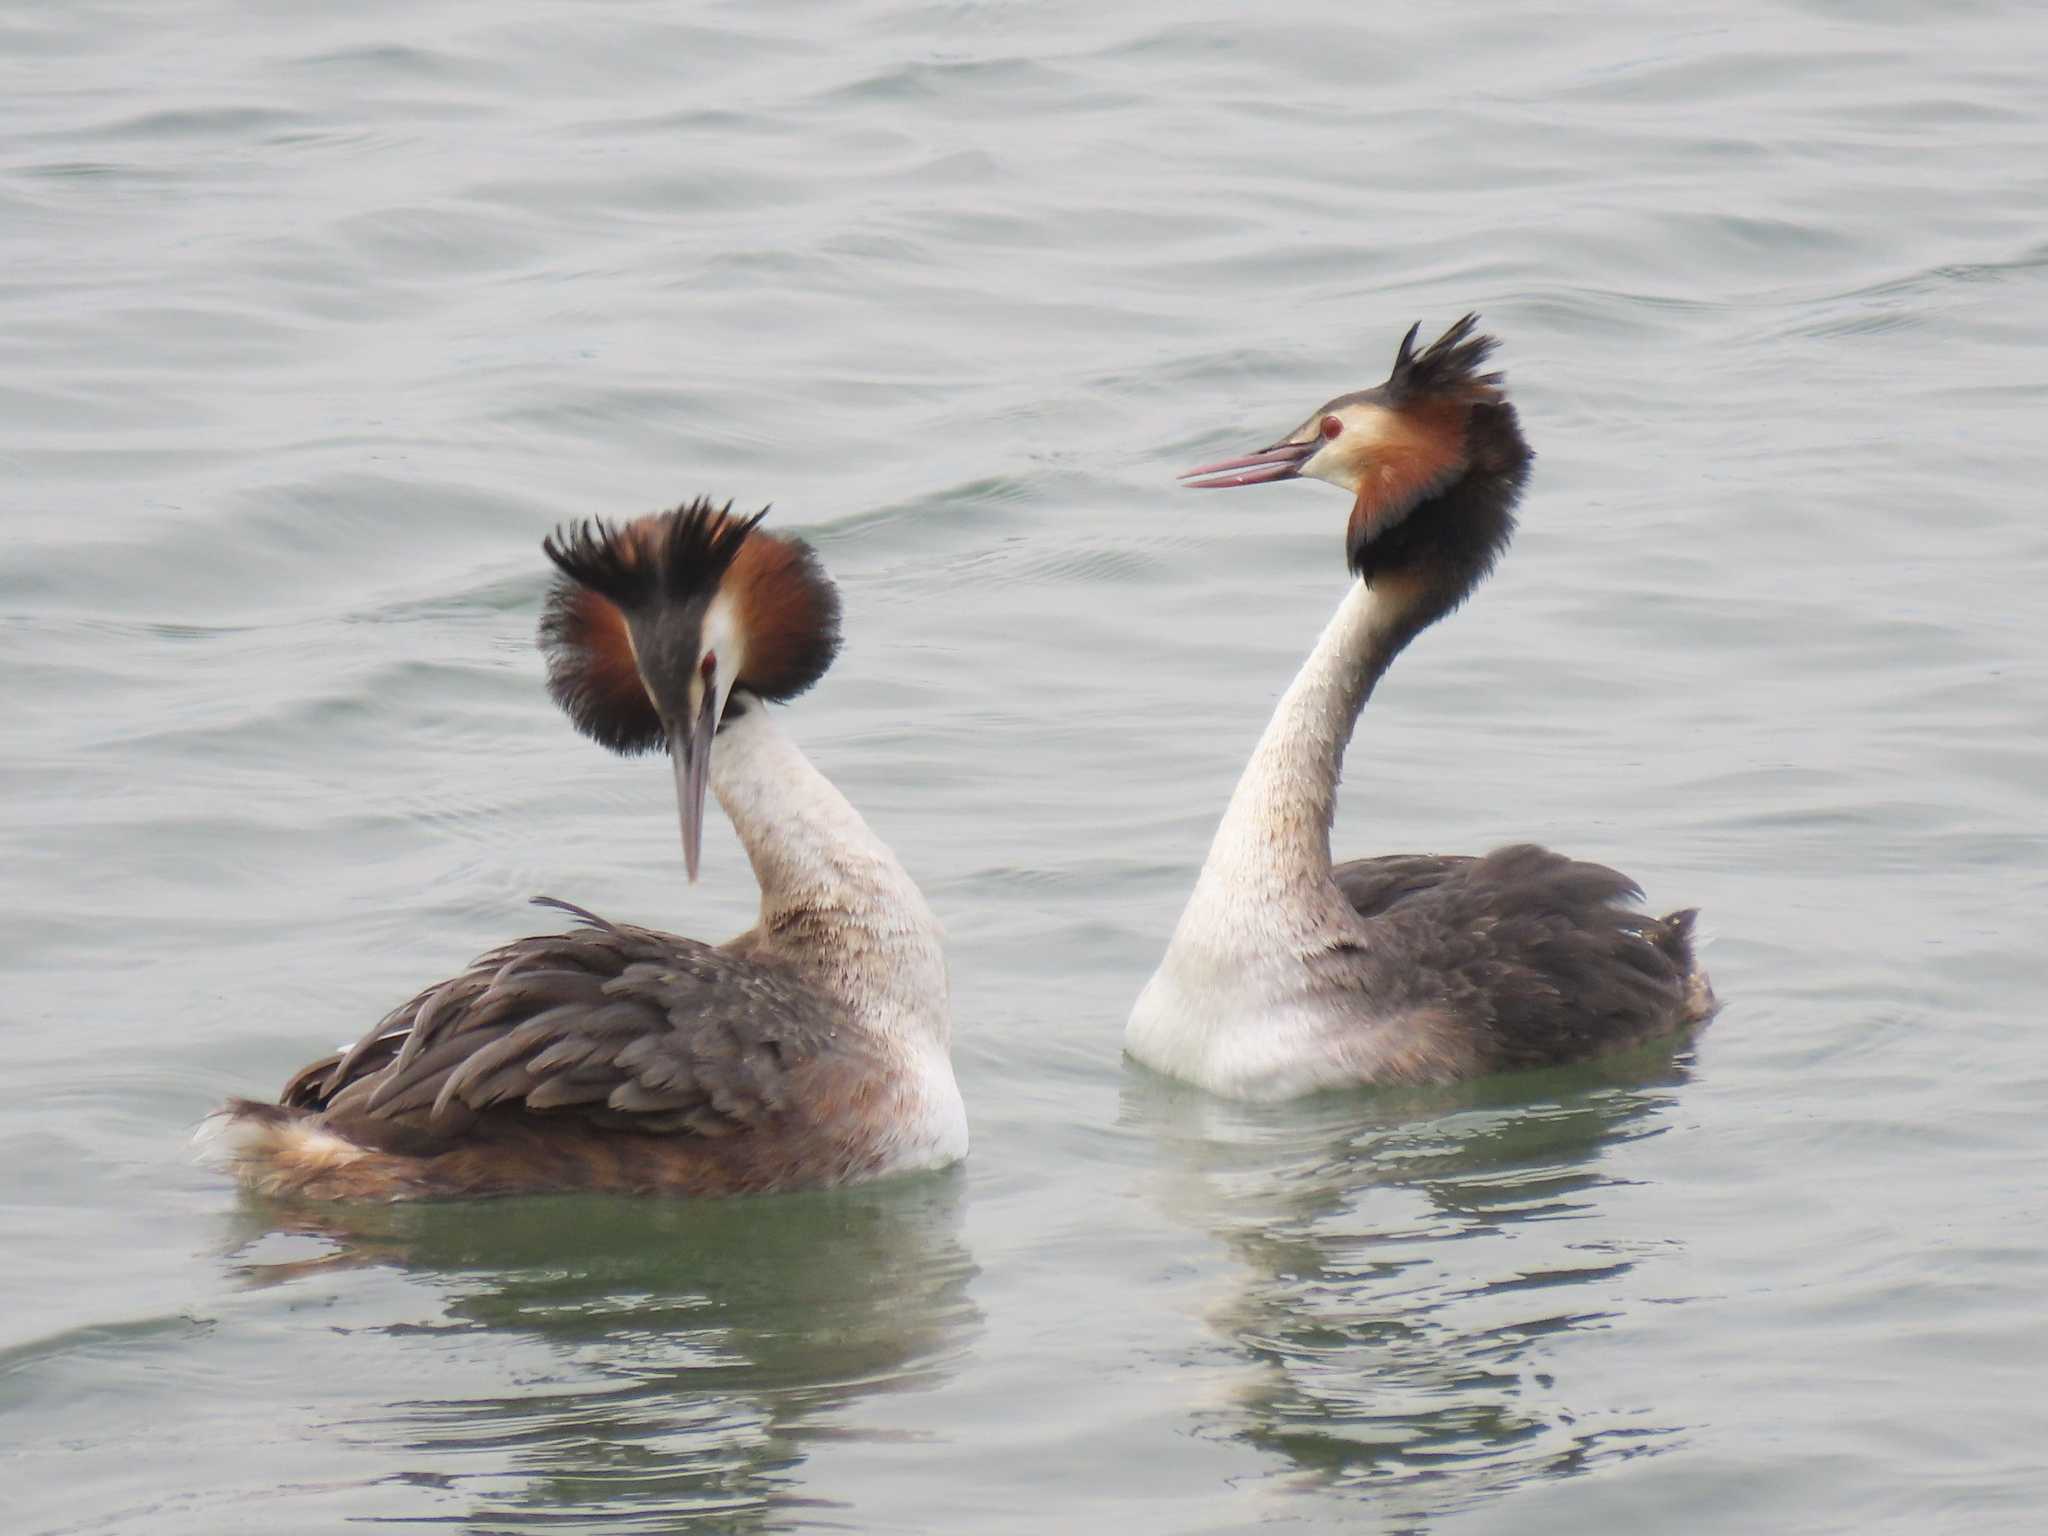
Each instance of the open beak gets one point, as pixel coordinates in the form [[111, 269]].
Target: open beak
[[1282, 461], [691, 749]]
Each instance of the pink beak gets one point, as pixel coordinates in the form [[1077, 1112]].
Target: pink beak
[[1282, 461]]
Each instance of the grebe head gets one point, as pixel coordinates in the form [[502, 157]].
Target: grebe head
[[661, 629], [1434, 461]]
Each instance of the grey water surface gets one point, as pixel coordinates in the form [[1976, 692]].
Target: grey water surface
[[314, 318]]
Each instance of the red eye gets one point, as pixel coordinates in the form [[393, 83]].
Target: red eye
[[1332, 426]]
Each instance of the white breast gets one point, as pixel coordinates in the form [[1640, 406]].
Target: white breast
[[929, 1127], [1238, 1031]]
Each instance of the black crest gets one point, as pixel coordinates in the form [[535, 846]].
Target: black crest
[[678, 556], [1448, 366], [1454, 538]]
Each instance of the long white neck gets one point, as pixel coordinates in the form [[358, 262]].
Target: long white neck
[[1271, 853], [834, 901]]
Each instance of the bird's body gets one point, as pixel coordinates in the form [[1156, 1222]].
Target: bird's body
[[1289, 974], [811, 1050]]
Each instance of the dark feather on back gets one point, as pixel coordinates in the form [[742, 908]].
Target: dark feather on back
[[609, 1026], [1543, 959]]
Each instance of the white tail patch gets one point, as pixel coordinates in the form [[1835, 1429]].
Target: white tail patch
[[268, 1155], [1700, 1002], [224, 1139]]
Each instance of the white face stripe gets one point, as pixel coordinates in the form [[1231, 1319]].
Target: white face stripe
[[1342, 459], [726, 639]]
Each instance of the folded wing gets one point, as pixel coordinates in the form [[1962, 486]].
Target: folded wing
[[608, 1025]]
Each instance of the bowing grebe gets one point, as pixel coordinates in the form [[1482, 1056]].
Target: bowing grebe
[[811, 1050], [1287, 975]]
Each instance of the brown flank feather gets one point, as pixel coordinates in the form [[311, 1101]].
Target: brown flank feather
[[838, 1137]]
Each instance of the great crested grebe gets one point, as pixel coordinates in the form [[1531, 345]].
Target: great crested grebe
[[811, 1050], [1288, 975]]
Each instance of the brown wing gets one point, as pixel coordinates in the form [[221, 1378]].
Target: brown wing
[[615, 1026], [1541, 958], [1377, 885]]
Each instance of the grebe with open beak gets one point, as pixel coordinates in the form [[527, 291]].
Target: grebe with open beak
[[811, 1050], [1289, 975]]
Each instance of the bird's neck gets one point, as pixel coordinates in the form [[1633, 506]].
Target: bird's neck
[[834, 901], [1273, 845]]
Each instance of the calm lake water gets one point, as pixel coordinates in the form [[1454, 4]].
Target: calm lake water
[[314, 318]]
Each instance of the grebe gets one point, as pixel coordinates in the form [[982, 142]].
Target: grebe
[[811, 1050], [1288, 975]]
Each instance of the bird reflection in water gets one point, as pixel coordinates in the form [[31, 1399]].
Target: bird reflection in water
[[1409, 1261], [645, 1363]]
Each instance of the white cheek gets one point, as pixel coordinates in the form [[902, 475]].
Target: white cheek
[[1333, 462], [725, 639], [1342, 459]]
